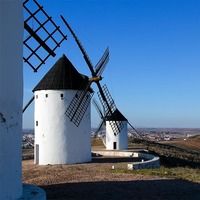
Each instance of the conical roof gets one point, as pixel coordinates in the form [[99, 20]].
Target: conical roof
[[116, 116], [62, 75]]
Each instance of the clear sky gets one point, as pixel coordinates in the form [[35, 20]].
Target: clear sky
[[154, 68]]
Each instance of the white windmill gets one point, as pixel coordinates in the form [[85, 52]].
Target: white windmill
[[57, 140], [111, 140]]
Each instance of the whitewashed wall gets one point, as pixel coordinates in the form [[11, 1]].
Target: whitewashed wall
[[59, 140], [11, 96], [121, 139]]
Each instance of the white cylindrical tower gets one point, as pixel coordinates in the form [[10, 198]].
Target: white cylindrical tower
[[57, 139], [120, 140], [11, 98]]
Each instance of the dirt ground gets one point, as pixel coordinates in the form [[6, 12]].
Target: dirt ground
[[97, 181]]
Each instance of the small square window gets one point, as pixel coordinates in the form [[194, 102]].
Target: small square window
[[46, 95], [36, 96], [61, 95], [36, 123]]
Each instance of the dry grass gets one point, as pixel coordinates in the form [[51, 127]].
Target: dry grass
[[183, 173]]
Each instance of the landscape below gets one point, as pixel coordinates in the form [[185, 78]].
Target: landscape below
[[177, 178]]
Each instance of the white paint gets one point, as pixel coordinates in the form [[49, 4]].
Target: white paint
[[11, 97], [59, 140], [121, 139]]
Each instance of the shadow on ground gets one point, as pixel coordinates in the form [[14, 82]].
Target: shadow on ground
[[124, 190]]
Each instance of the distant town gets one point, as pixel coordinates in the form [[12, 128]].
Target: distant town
[[151, 134]]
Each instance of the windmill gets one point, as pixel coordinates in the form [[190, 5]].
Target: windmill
[[75, 110], [110, 140], [57, 140]]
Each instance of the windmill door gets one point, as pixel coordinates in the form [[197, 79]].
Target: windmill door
[[37, 154], [114, 145]]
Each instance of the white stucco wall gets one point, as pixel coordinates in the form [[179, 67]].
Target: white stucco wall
[[11, 96], [59, 140], [121, 139]]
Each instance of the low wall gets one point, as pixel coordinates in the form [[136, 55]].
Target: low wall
[[150, 161]]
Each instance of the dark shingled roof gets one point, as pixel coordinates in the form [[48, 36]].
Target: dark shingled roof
[[117, 116], [62, 75]]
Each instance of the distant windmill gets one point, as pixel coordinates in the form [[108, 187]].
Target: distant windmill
[[78, 105], [111, 141]]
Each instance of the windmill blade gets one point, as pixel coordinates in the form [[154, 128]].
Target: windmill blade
[[111, 104], [109, 109], [98, 109], [137, 133], [85, 55], [42, 42], [116, 126], [100, 66], [103, 61], [78, 106], [28, 104], [102, 116], [102, 123]]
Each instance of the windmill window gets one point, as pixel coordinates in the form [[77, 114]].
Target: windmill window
[[36, 123], [61, 95], [36, 96], [46, 95]]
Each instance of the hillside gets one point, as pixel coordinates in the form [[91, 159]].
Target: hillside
[[192, 143]]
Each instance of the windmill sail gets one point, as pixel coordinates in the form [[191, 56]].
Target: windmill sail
[[42, 35], [115, 124], [78, 106]]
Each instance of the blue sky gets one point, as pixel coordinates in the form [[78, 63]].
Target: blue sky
[[154, 67]]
